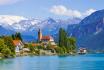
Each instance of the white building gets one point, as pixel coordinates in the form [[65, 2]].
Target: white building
[[18, 45]]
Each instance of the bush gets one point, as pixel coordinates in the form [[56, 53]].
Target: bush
[[6, 52], [31, 48], [60, 50]]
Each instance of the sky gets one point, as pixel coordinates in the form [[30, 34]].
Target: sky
[[50, 8]]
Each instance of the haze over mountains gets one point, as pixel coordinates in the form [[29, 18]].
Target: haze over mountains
[[89, 31]]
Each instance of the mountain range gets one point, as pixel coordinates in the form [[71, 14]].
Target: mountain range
[[29, 26], [89, 31]]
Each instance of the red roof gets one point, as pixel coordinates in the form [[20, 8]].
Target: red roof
[[46, 37], [35, 44], [16, 42]]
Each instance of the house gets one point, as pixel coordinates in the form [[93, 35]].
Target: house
[[18, 45], [46, 40]]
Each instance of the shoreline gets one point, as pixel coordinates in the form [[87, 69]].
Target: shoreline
[[60, 55]]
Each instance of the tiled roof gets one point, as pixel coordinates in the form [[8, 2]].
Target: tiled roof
[[16, 42], [46, 37], [35, 44]]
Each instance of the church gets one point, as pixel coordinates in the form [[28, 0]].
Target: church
[[46, 40]]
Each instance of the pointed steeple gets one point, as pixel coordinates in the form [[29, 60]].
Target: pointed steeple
[[39, 35]]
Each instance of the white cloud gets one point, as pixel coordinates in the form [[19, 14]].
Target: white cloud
[[6, 2], [62, 10]]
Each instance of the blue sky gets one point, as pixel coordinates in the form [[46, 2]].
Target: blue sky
[[50, 8]]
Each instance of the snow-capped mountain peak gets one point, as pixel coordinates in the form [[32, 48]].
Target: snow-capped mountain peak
[[10, 20], [22, 24]]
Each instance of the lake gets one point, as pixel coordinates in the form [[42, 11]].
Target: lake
[[78, 62]]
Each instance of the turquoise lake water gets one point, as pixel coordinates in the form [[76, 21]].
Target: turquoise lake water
[[79, 62]]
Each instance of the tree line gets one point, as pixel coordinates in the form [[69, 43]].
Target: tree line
[[67, 45]]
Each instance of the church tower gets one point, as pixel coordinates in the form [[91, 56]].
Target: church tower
[[39, 35]]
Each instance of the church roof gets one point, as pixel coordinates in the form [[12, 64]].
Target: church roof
[[46, 37]]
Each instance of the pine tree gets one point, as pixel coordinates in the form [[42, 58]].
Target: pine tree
[[18, 36], [68, 44], [62, 38], [13, 37]]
